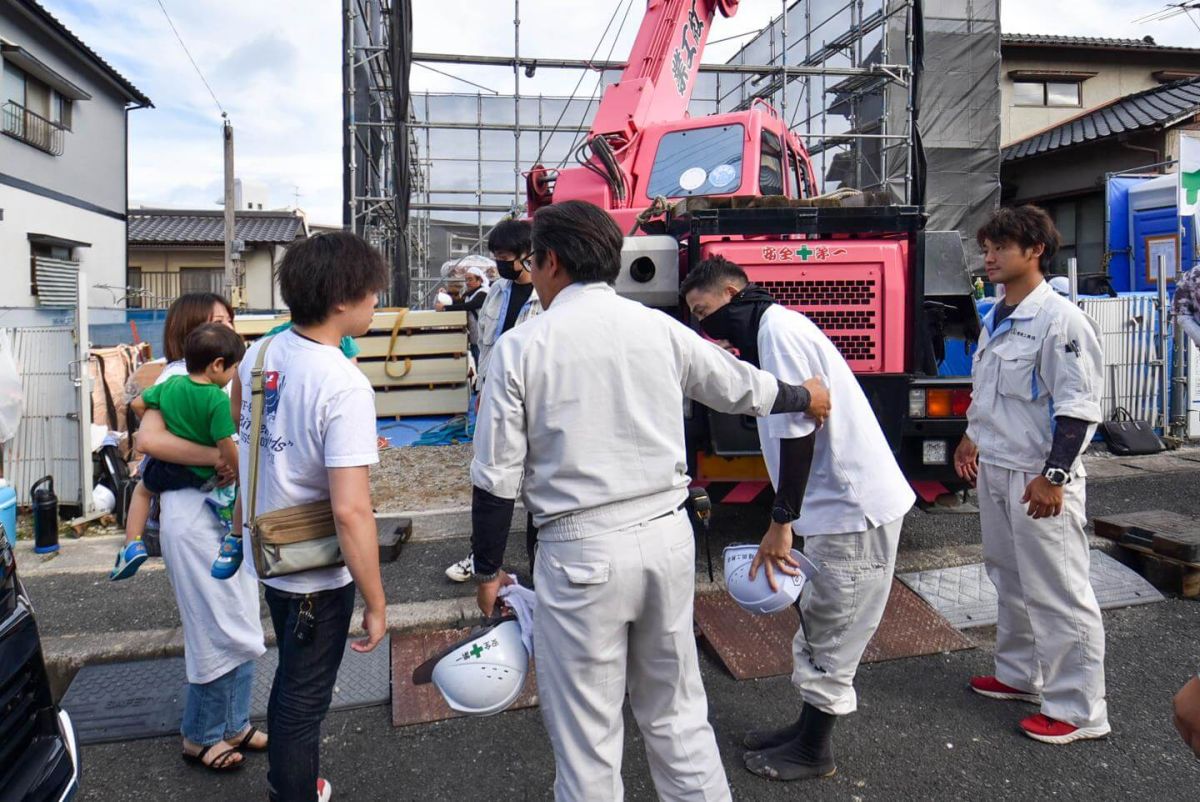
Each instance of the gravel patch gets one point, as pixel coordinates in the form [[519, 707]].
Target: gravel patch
[[418, 478]]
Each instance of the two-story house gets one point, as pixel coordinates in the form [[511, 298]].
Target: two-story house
[[1075, 109], [63, 168]]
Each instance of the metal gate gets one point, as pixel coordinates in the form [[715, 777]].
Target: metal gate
[[1133, 364]]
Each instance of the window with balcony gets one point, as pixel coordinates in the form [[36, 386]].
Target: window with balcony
[[33, 111]]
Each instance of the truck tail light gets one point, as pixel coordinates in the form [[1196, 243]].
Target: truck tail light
[[938, 403]]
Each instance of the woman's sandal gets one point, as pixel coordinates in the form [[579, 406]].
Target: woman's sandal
[[246, 745], [221, 763]]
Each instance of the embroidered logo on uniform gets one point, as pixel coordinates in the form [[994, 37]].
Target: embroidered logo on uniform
[[1024, 334]]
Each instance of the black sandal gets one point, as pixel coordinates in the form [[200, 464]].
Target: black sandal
[[245, 745], [220, 763]]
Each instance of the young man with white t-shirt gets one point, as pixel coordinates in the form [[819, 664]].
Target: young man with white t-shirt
[[318, 440], [854, 498]]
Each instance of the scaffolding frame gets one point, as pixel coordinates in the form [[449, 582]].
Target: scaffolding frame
[[864, 46]]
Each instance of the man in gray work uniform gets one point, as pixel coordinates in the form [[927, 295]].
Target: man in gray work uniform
[[582, 415]]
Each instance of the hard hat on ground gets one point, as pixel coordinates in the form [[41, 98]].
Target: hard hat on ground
[[482, 674], [756, 595]]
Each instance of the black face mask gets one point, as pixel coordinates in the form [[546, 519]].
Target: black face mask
[[737, 321], [506, 269]]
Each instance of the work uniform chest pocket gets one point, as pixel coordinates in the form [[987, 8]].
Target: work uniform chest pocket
[[1017, 378]]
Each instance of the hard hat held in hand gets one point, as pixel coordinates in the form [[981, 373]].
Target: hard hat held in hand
[[485, 673], [755, 595]]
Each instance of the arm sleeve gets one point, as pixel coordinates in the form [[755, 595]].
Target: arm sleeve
[[795, 464], [500, 445], [151, 395], [491, 518], [220, 418], [473, 305], [791, 398], [714, 377], [350, 429], [1071, 365], [1070, 437]]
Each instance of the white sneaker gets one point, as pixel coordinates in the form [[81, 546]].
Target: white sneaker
[[462, 570], [324, 790]]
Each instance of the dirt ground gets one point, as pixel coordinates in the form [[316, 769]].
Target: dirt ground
[[422, 478]]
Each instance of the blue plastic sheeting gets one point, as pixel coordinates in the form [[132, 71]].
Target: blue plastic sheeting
[[403, 432]]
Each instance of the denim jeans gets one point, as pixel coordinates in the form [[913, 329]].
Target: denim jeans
[[303, 687], [220, 709]]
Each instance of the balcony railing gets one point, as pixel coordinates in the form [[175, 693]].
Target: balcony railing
[[156, 290], [32, 129]]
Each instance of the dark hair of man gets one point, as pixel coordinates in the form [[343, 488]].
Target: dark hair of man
[[186, 313], [320, 272], [585, 239], [1025, 226], [712, 274], [210, 342], [510, 236]]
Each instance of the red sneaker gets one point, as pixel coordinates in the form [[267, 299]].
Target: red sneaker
[[995, 689], [1051, 731], [324, 790]]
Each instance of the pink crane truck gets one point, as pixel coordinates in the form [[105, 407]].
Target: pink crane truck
[[887, 292]]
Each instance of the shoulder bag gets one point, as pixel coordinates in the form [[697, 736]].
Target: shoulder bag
[[292, 539]]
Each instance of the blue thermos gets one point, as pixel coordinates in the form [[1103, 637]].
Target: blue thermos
[[8, 511], [45, 515]]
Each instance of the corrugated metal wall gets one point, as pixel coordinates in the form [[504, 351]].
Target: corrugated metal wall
[[47, 441], [1132, 364]]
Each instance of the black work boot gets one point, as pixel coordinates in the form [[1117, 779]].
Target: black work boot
[[807, 756], [757, 740]]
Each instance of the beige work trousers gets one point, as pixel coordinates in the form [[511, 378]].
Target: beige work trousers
[[615, 614]]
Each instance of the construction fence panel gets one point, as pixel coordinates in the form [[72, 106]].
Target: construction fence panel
[[1132, 363]]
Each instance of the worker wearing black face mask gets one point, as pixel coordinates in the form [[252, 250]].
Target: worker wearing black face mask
[[511, 301], [844, 477]]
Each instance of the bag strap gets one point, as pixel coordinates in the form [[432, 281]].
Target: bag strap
[[387, 362], [1121, 414], [256, 410]]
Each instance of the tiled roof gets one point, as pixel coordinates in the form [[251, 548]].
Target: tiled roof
[[165, 226], [36, 10], [1094, 42], [1152, 108]]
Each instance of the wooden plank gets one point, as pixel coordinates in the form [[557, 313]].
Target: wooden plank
[[407, 403], [439, 370], [382, 322], [454, 342], [1114, 526]]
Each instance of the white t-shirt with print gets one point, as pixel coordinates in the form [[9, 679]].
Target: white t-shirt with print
[[318, 413], [855, 483]]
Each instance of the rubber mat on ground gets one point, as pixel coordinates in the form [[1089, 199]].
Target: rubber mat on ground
[[757, 646], [144, 699], [421, 704], [967, 598]]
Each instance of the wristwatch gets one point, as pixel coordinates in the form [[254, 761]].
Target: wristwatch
[[1056, 476], [782, 516]]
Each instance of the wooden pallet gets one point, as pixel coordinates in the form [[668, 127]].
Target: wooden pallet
[[1162, 570], [416, 361]]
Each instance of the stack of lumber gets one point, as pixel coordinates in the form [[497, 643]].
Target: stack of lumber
[[416, 361]]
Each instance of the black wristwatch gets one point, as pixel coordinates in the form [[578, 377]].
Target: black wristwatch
[[781, 516], [1056, 476]]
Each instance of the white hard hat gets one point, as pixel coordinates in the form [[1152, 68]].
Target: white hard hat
[[104, 499], [444, 298], [755, 595], [485, 673], [1061, 285]]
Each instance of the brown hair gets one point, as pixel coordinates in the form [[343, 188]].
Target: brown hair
[[186, 313], [1026, 226]]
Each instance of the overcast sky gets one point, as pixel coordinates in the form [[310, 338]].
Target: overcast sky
[[275, 66]]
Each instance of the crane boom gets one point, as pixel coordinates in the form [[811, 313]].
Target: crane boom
[[656, 85]]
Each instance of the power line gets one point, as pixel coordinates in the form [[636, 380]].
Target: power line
[[599, 83], [189, 55]]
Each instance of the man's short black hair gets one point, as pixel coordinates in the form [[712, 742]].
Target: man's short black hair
[[1026, 226], [583, 236], [510, 236], [210, 342], [712, 274], [321, 272]]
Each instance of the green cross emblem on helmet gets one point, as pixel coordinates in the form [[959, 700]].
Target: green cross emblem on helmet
[[476, 650]]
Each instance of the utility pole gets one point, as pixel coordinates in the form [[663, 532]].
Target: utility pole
[[233, 288]]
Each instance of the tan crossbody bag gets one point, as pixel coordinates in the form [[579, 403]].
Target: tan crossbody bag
[[293, 539]]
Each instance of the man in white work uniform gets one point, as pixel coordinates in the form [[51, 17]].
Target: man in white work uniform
[[837, 485], [582, 414], [1034, 407]]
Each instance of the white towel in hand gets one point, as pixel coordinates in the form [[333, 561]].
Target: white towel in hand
[[523, 602]]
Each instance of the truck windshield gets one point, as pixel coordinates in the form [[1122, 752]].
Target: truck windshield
[[702, 161]]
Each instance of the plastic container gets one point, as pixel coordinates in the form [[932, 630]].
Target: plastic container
[[45, 515], [8, 511]]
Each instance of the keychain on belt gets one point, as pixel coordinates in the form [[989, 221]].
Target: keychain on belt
[[306, 622]]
